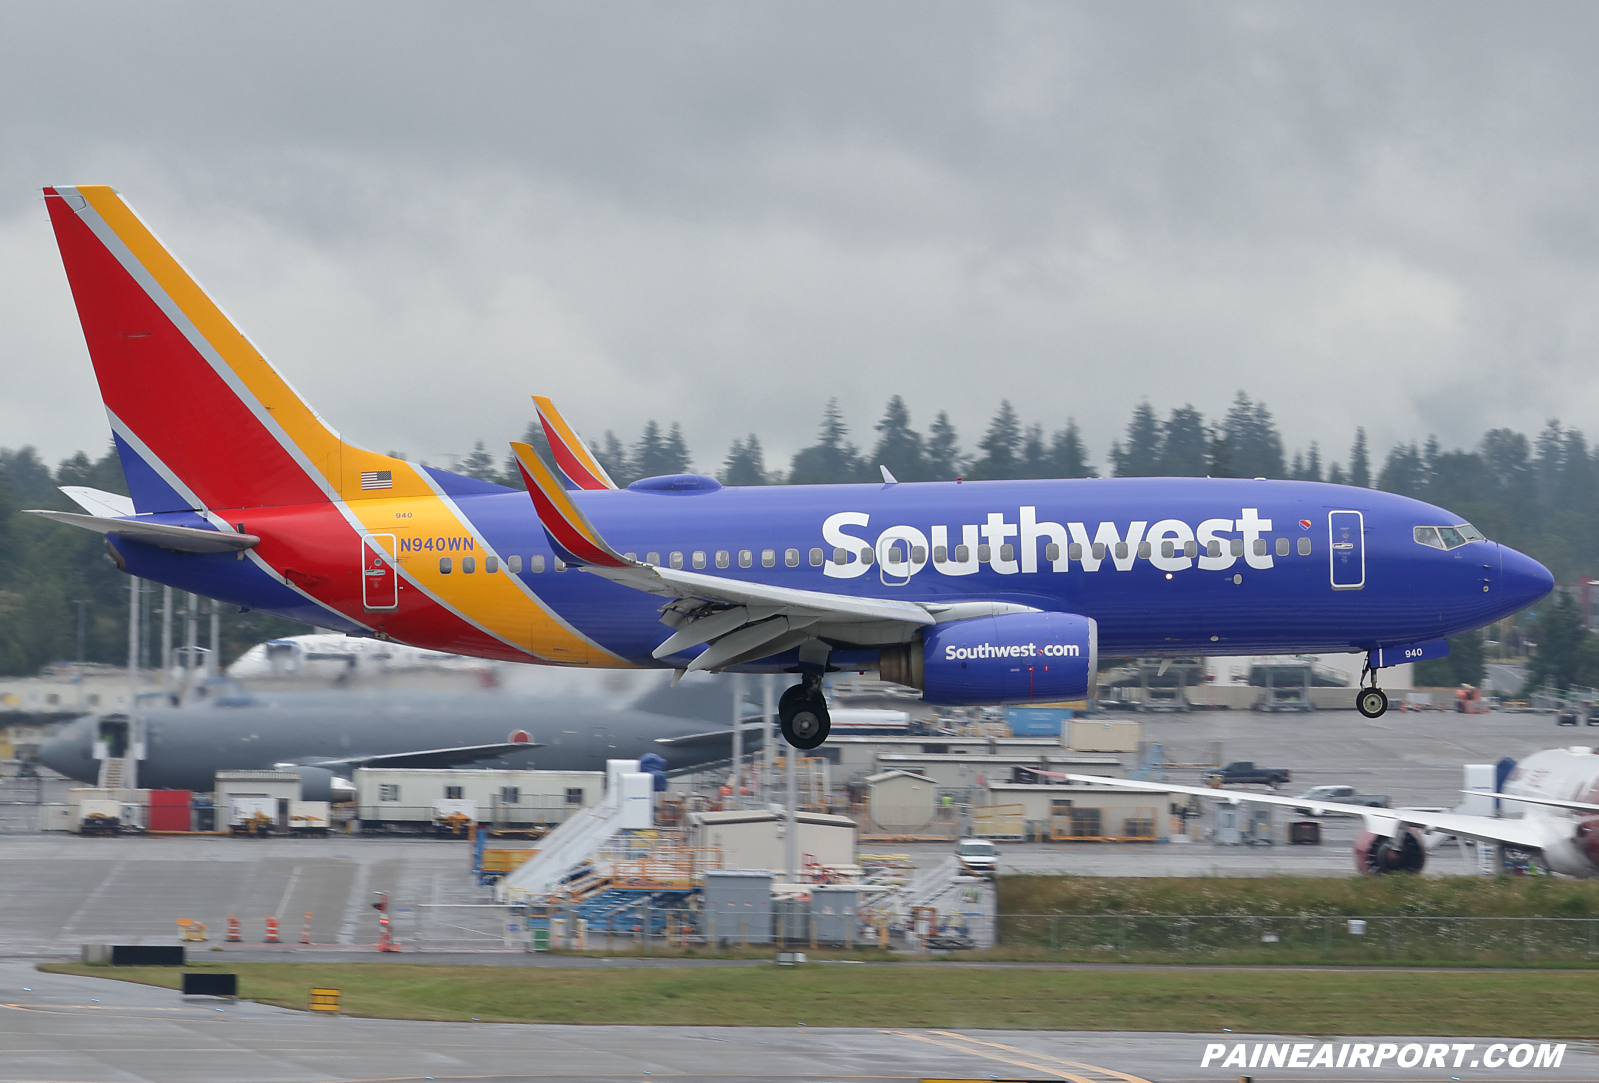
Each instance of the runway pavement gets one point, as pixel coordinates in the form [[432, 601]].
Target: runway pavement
[[64, 1029]]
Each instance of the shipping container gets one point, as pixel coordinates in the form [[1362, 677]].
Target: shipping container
[[169, 810], [1036, 721]]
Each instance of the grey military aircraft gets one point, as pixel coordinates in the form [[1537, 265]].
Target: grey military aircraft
[[327, 735]]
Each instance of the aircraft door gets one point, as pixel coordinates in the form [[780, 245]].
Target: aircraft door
[[1347, 530], [380, 583]]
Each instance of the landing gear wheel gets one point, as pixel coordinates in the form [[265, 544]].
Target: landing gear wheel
[[1371, 702], [803, 717]]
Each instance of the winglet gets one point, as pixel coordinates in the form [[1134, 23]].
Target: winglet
[[573, 536], [576, 462]]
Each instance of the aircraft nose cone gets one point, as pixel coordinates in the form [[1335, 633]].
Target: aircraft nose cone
[[60, 754], [1522, 580]]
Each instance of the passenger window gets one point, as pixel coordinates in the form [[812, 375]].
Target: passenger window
[[745, 558], [1074, 551], [721, 558], [1099, 550], [918, 554], [1260, 547], [984, 554], [841, 555], [1236, 546], [560, 565], [1007, 552], [1304, 547], [1121, 550], [1052, 552], [491, 565], [940, 554], [867, 556], [1282, 547], [515, 564], [630, 556], [1213, 548], [1167, 549], [699, 558], [1144, 550], [653, 558], [468, 565], [791, 558], [894, 555], [676, 560], [768, 558], [1190, 549], [445, 565], [816, 558], [538, 564]]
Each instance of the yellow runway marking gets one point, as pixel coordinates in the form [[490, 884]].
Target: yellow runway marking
[[1123, 1076], [1057, 1072]]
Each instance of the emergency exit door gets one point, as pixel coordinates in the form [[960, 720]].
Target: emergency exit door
[[380, 584], [1348, 537]]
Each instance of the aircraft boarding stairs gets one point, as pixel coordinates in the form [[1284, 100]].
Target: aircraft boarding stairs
[[628, 805]]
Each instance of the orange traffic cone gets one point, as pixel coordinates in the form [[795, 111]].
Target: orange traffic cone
[[272, 931], [305, 930], [233, 929]]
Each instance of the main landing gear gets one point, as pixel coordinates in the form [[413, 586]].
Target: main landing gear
[[802, 714], [1371, 702]]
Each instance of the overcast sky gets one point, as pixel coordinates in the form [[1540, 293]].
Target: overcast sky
[[722, 214]]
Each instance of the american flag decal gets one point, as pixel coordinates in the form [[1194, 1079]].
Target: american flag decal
[[377, 479]]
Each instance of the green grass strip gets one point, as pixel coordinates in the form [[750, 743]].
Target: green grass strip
[[1542, 1004]]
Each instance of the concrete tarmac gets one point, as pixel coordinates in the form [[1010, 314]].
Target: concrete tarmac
[[67, 1029]]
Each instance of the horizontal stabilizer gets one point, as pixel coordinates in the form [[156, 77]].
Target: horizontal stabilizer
[[186, 539], [99, 502]]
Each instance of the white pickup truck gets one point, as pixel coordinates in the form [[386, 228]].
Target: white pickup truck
[[1346, 795]]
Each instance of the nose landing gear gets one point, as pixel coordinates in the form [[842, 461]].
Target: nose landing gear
[[802, 714]]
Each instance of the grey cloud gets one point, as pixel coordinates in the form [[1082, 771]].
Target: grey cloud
[[726, 213]]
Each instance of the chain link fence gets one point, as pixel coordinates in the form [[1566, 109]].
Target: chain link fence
[[1255, 937]]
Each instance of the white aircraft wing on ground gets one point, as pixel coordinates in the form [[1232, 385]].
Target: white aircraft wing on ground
[[1522, 834]]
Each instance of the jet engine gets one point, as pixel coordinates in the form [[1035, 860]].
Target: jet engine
[[1011, 658], [1377, 854]]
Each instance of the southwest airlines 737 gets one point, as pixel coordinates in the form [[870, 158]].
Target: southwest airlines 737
[[975, 593]]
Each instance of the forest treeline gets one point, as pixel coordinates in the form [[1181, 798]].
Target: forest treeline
[[1538, 493]]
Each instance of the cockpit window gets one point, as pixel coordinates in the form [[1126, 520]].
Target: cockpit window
[[1447, 537]]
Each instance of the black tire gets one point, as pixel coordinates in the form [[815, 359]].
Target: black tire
[[1372, 702], [804, 720]]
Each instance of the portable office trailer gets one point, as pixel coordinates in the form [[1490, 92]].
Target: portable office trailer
[[1062, 813], [833, 911], [754, 838], [409, 799], [257, 801], [1103, 735]]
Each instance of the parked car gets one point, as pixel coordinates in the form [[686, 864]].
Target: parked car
[[979, 856], [1244, 772], [1344, 795]]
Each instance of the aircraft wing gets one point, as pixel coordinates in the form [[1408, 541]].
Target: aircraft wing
[[187, 539], [433, 757], [1521, 834], [739, 620], [1552, 802], [724, 737]]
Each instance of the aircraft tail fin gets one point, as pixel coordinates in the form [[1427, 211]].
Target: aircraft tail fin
[[200, 418], [569, 530], [578, 466]]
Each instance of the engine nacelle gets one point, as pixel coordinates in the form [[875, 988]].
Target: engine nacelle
[[1011, 658], [1377, 854]]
